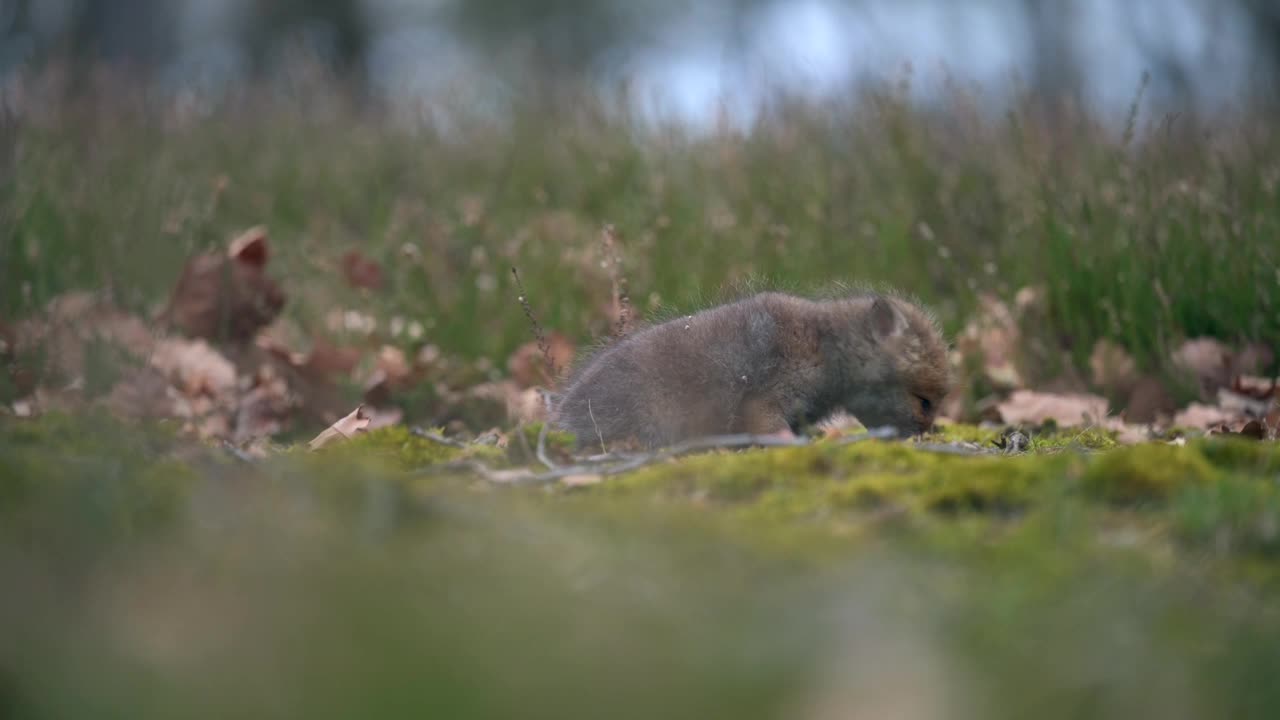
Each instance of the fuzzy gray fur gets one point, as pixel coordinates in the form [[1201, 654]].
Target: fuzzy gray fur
[[767, 363]]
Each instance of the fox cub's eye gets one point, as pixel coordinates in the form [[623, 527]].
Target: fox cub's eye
[[925, 404]]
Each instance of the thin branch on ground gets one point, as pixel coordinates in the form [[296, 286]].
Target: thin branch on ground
[[542, 446], [597, 427], [237, 453], [542, 434], [619, 464], [433, 437]]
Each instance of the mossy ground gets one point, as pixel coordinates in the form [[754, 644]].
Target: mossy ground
[[149, 577]]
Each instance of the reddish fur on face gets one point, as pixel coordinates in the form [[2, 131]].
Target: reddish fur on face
[[766, 364]]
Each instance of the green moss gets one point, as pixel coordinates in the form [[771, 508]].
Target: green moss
[[158, 497], [988, 485], [1238, 513], [1145, 473], [88, 432], [1241, 454], [1049, 439], [1093, 438], [959, 432], [401, 449], [845, 482]]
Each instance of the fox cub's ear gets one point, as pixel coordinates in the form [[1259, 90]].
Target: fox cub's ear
[[885, 319]]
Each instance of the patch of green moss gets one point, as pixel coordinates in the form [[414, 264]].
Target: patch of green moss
[[1238, 513], [1047, 439], [963, 433], [1145, 473], [1242, 454], [1092, 438], [398, 447], [828, 482], [158, 496], [88, 432], [995, 485]]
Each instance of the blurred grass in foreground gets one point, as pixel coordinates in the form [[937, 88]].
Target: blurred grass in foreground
[[1142, 239], [149, 578]]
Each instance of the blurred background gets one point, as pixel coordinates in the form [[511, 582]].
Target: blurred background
[[1109, 165], [687, 61]]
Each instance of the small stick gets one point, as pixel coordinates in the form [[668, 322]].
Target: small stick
[[419, 432], [542, 447], [603, 450], [538, 334], [237, 453]]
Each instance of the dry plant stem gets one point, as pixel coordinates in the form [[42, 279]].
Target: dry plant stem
[[597, 427], [543, 346], [542, 447], [419, 432]]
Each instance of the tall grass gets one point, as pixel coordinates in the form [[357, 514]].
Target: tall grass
[[1141, 239]]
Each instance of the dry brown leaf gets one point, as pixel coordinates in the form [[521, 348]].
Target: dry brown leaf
[[356, 422], [391, 374], [1067, 410], [1243, 405], [195, 367], [360, 271], [392, 362], [581, 480], [1202, 417], [327, 360], [1207, 361], [1127, 433], [1113, 368], [528, 367], [1253, 429], [1029, 299], [526, 406], [993, 338], [1253, 386]]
